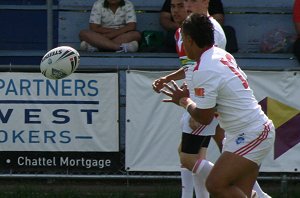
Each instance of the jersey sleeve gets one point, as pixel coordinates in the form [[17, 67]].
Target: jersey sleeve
[[95, 16], [206, 84], [130, 13]]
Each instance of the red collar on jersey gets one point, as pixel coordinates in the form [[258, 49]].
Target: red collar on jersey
[[198, 62]]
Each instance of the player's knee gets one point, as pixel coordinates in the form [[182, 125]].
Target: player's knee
[[213, 186], [83, 34], [215, 192]]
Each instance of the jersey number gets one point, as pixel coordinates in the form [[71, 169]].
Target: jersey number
[[228, 61]]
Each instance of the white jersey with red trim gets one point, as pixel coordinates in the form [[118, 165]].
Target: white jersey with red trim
[[203, 130], [219, 82], [220, 40], [219, 37]]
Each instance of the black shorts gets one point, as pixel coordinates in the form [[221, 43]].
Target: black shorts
[[191, 144]]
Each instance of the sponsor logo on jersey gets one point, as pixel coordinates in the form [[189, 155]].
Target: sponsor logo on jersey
[[199, 91]]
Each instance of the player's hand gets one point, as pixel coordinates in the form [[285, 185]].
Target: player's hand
[[158, 84], [175, 92]]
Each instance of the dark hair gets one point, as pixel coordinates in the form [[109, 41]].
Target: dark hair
[[106, 4], [200, 29]]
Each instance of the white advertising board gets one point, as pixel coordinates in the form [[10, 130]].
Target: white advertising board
[[153, 128]]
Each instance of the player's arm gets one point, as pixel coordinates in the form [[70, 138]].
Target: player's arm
[[158, 84], [180, 96], [203, 116], [177, 75]]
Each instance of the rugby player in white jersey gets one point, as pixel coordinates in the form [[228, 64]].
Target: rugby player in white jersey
[[219, 86], [195, 135]]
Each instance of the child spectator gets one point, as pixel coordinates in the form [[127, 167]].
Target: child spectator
[[112, 27]]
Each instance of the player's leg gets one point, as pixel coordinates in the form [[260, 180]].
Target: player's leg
[[187, 184], [200, 188], [218, 137], [201, 170], [190, 149], [194, 144], [235, 172], [259, 191], [189, 157], [232, 176]]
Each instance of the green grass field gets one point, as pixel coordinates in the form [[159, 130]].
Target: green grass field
[[115, 189]]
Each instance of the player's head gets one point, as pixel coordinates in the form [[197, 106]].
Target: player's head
[[177, 10], [198, 33], [196, 6]]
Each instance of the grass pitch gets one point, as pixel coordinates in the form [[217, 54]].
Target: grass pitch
[[34, 188]]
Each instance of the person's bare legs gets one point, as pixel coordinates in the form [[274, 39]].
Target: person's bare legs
[[232, 177], [218, 137], [97, 40], [193, 162], [101, 42], [189, 160], [187, 184], [128, 37]]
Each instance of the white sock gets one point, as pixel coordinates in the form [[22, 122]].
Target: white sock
[[201, 170], [199, 185], [258, 190], [186, 183], [202, 167]]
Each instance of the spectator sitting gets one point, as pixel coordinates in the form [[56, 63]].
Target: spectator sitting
[[112, 27], [296, 18], [215, 10]]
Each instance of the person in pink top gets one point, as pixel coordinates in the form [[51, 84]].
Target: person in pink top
[[296, 19]]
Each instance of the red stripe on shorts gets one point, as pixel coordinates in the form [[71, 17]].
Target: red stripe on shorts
[[253, 144], [199, 130]]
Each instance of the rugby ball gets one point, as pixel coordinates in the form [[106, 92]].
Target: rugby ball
[[59, 62]]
